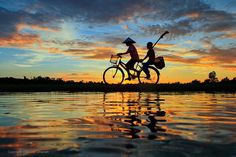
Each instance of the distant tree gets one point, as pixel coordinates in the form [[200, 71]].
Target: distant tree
[[212, 76], [59, 79], [81, 82], [196, 81], [70, 81], [47, 78], [176, 83], [206, 81], [225, 80], [39, 78]]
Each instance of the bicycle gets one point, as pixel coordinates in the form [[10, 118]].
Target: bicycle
[[115, 73]]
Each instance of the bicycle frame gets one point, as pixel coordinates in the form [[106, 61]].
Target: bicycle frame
[[123, 66]]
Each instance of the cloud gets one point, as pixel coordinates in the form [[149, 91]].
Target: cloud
[[179, 59], [215, 53], [230, 67], [23, 65], [113, 10], [49, 12], [220, 25], [186, 17], [10, 20], [231, 35], [72, 43], [190, 20], [22, 26], [97, 53], [209, 55], [223, 55], [214, 57], [100, 11], [20, 40]]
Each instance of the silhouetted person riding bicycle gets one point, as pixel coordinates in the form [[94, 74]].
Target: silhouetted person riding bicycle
[[133, 54], [151, 59]]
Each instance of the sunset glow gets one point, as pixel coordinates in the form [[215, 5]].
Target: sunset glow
[[74, 39]]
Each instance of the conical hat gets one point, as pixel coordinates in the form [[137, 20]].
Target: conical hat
[[129, 40]]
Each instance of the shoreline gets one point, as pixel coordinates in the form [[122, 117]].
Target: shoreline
[[100, 87]]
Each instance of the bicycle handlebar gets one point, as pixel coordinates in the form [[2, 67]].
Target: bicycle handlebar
[[119, 55]]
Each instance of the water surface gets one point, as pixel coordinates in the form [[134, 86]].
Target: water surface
[[118, 124]]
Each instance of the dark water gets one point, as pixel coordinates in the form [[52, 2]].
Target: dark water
[[118, 124]]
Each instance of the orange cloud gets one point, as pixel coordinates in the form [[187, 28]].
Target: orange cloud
[[214, 57], [93, 53], [19, 40], [193, 15], [22, 26], [231, 35], [230, 67], [160, 45], [174, 58]]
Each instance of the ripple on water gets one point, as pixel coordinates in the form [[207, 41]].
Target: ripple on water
[[118, 124]]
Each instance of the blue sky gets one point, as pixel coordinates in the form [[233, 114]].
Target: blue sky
[[74, 39]]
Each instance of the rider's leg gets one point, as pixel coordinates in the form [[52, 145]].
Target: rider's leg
[[145, 69], [130, 65], [129, 75]]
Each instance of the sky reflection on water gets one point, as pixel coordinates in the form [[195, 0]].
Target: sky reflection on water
[[117, 124]]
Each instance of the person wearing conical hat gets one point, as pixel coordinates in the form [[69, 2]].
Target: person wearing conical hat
[[133, 54]]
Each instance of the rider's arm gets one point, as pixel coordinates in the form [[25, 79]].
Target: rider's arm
[[123, 53], [145, 56]]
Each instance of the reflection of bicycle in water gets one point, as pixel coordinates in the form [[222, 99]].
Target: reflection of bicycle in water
[[133, 113], [115, 74]]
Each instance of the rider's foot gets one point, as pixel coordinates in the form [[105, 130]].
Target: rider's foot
[[128, 78], [133, 76], [148, 77]]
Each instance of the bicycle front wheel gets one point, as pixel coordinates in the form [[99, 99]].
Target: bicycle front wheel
[[154, 76], [113, 75]]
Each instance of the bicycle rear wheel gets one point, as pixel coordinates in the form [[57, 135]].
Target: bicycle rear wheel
[[154, 76], [113, 75]]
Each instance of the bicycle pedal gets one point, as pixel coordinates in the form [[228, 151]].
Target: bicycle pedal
[[128, 79], [148, 78]]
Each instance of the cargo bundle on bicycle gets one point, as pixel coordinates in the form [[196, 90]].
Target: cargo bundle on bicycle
[[159, 62]]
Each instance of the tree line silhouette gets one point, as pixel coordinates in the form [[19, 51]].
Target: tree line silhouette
[[8, 84]]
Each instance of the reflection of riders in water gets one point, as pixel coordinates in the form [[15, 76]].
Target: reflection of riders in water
[[152, 125], [133, 54], [151, 59], [136, 114], [154, 116], [133, 121]]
